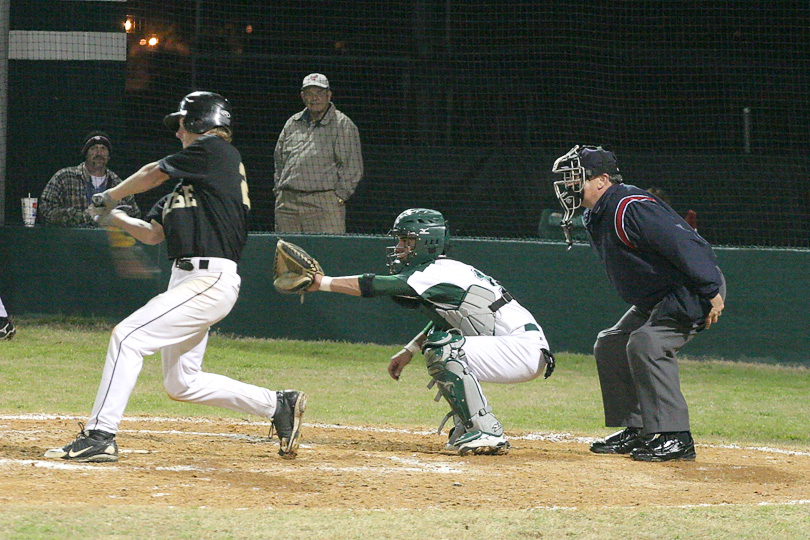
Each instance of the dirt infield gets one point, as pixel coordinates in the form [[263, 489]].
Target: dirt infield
[[226, 463]]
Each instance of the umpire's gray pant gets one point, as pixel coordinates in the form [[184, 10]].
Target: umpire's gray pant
[[638, 374]]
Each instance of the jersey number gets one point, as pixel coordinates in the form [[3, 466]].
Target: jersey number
[[183, 197]]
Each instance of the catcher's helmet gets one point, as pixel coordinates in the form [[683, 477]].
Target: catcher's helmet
[[430, 231], [201, 111], [579, 164]]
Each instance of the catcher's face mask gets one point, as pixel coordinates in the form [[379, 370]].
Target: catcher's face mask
[[422, 236], [580, 164], [399, 256]]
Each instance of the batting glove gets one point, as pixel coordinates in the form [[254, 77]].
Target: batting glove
[[104, 200]]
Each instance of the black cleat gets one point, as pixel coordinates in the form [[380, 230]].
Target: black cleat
[[7, 329], [621, 442], [290, 407], [93, 446], [666, 447]]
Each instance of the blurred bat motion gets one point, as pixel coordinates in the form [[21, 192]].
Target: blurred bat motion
[[129, 258]]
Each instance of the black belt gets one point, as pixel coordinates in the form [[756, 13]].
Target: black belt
[[188, 266], [500, 302]]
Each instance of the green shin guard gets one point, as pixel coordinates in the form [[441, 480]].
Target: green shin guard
[[444, 356]]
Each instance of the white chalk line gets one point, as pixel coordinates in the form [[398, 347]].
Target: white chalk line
[[539, 436], [402, 465]]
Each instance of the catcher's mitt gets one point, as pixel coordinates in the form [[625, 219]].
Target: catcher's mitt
[[293, 269]]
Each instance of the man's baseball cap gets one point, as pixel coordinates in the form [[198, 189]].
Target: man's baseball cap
[[596, 160], [96, 137], [315, 79]]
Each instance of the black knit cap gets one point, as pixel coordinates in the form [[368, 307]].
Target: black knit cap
[[96, 137]]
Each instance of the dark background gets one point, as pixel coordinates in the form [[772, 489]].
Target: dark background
[[462, 107]]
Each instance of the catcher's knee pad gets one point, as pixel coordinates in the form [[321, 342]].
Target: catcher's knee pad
[[444, 355]]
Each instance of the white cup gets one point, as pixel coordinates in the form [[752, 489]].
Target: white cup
[[29, 211]]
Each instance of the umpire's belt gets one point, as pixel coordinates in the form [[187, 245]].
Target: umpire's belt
[[500, 302], [212, 264]]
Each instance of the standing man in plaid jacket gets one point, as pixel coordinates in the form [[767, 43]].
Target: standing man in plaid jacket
[[318, 162]]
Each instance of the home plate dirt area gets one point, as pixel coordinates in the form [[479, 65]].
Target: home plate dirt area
[[229, 463]]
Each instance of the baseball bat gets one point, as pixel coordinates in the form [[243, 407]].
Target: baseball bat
[[129, 259]]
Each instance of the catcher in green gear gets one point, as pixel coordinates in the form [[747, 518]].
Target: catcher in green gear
[[477, 330]]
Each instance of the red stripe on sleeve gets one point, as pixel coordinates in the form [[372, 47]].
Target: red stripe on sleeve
[[619, 217]]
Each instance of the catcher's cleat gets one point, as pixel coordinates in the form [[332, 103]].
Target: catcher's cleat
[[7, 329], [456, 432], [290, 406], [90, 446], [482, 444]]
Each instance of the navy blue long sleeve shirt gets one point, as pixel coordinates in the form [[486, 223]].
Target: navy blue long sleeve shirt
[[652, 255]]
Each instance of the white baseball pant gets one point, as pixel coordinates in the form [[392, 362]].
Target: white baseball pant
[[506, 359], [176, 322]]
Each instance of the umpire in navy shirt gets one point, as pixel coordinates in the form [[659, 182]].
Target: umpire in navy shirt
[[669, 274]]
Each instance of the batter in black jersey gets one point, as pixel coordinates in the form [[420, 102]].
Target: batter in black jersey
[[204, 223], [206, 215]]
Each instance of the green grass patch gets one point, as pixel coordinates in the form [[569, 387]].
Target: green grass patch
[[717, 523]]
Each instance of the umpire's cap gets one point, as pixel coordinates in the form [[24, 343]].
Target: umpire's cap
[[596, 160]]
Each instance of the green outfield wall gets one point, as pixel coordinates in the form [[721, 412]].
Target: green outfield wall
[[69, 271]]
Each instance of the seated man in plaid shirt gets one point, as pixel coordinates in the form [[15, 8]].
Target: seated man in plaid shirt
[[67, 194]]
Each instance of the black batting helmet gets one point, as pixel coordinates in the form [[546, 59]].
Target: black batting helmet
[[201, 112]]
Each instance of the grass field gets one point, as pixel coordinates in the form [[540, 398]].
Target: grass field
[[53, 367]]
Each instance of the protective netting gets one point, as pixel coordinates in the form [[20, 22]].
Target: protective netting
[[463, 106]]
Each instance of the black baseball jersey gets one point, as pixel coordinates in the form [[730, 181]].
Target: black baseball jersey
[[207, 213]]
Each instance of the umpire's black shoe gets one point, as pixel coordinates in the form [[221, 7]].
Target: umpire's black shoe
[[7, 329], [290, 406], [621, 442], [666, 447]]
